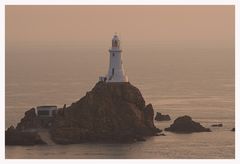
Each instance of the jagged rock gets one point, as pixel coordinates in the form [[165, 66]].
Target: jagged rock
[[61, 111], [233, 130], [185, 124], [110, 112], [160, 117], [217, 125], [29, 121], [149, 114], [16, 137]]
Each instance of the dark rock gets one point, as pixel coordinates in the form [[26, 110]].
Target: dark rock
[[233, 130], [110, 112], [60, 111], [160, 117], [217, 125], [148, 116], [161, 134], [185, 124], [140, 138], [16, 137], [29, 121]]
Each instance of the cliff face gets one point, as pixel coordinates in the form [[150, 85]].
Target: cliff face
[[110, 112]]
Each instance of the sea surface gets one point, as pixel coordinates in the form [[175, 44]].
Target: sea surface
[[194, 81]]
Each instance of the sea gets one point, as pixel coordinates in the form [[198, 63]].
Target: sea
[[195, 81]]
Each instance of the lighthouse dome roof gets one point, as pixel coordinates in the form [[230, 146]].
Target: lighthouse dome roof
[[115, 37]]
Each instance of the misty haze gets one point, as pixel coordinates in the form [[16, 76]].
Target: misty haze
[[181, 58]]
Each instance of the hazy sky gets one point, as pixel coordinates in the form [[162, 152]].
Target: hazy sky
[[178, 40], [137, 25]]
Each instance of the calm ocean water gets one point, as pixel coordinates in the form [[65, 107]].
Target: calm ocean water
[[185, 81]]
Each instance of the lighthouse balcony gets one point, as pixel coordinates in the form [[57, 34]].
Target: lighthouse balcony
[[115, 49]]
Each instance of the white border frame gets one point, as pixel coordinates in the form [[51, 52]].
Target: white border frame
[[118, 2]]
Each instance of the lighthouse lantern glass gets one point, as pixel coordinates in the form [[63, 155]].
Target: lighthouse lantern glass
[[115, 42]]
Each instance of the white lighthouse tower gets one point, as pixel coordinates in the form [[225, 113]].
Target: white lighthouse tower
[[115, 72]]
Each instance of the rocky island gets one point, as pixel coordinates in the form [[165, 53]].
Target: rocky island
[[113, 111], [110, 112], [160, 117], [185, 124], [217, 125]]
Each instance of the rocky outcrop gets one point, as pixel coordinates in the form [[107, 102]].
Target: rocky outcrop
[[17, 137], [29, 121], [185, 124], [217, 125], [110, 112], [161, 117], [26, 132], [32, 121]]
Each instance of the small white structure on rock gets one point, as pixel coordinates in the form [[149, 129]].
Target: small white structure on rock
[[115, 72], [46, 111]]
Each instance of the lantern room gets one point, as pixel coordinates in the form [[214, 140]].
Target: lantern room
[[115, 42]]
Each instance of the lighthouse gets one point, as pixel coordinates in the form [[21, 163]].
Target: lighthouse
[[115, 72]]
